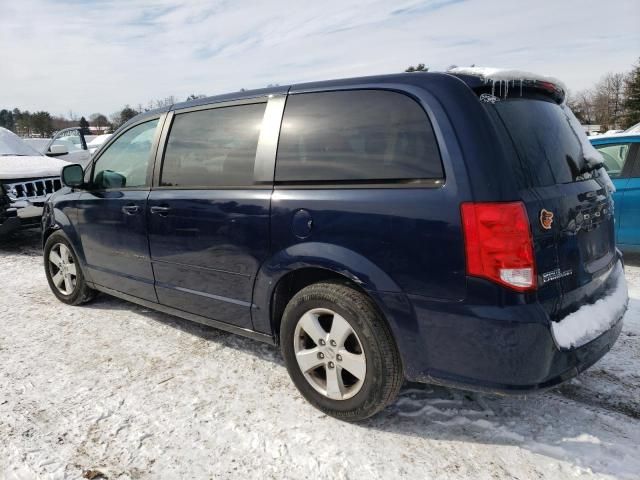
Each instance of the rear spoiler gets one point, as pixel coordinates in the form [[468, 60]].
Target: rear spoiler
[[510, 84]]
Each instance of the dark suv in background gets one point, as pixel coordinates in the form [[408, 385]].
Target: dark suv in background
[[418, 226]]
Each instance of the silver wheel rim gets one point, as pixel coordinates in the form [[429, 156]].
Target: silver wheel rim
[[62, 269], [329, 354]]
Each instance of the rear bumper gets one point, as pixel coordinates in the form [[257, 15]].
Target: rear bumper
[[519, 373], [508, 349]]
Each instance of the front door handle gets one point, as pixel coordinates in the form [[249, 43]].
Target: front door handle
[[162, 211], [130, 209]]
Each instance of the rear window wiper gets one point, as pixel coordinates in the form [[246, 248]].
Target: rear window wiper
[[590, 167]]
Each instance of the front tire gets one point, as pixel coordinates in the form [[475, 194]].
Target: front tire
[[340, 352], [64, 273]]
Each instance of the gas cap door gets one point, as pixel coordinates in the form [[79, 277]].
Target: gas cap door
[[302, 224]]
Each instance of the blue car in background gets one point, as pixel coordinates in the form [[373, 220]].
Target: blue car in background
[[621, 154]]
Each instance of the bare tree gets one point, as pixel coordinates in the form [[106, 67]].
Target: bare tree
[[162, 102], [608, 100], [582, 105], [604, 104], [616, 97]]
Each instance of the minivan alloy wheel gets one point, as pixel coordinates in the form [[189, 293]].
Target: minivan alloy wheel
[[63, 269], [329, 354]]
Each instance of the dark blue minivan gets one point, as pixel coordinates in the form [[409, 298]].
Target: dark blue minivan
[[424, 226]]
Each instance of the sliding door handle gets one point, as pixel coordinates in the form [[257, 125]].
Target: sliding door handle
[[162, 211], [130, 209]]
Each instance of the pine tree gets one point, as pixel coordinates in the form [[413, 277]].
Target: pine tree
[[6, 119], [632, 97], [419, 68], [127, 114]]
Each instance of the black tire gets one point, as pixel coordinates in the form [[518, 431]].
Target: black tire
[[384, 374], [81, 293]]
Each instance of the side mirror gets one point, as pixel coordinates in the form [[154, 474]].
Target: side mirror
[[73, 176], [58, 149]]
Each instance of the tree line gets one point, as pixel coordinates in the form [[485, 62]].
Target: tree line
[[44, 124], [613, 102]]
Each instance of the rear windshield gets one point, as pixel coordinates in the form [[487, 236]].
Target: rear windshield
[[548, 150]]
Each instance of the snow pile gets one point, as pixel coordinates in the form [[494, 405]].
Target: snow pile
[[506, 77], [590, 321], [11, 144]]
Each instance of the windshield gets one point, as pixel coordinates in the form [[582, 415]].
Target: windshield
[[11, 144], [544, 140]]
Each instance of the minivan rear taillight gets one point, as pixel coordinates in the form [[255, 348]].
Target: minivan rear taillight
[[498, 244]]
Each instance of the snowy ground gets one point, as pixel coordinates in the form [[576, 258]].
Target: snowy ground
[[115, 389]]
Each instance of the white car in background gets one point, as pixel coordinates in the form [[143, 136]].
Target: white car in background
[[70, 145], [27, 179]]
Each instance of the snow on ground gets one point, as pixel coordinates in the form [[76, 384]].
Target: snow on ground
[[116, 389]]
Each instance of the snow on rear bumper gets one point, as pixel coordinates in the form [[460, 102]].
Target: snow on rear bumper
[[592, 320]]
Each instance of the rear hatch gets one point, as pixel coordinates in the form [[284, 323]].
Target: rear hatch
[[566, 196]]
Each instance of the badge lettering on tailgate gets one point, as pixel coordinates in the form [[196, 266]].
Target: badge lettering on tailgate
[[555, 275]]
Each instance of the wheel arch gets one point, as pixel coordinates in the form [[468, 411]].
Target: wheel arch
[[56, 220], [294, 281], [294, 268]]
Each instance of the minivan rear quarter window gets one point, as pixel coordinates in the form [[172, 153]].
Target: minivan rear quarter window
[[356, 136], [214, 147]]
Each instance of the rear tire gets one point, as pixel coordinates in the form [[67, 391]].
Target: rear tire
[[340, 352], [64, 273]]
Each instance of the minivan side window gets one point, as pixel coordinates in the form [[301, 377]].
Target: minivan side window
[[124, 164], [214, 147], [357, 136]]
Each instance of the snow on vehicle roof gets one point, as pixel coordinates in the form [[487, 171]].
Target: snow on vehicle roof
[[633, 129], [100, 139], [11, 144], [498, 75]]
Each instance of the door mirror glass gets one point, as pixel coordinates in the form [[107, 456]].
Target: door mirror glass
[[72, 176]]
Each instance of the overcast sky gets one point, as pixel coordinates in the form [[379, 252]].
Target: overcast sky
[[62, 55]]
